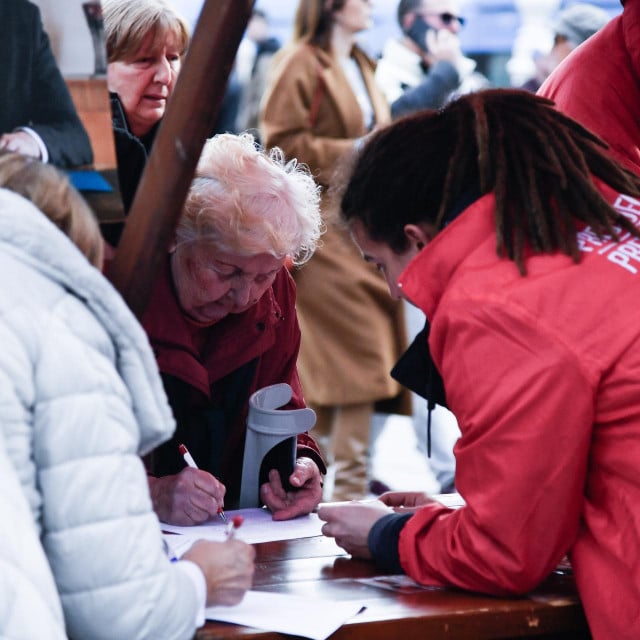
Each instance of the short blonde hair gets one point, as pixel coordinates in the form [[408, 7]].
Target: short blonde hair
[[51, 192], [245, 200], [128, 22]]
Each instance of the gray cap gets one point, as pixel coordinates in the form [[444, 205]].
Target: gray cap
[[580, 21]]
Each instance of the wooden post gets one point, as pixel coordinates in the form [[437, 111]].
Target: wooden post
[[187, 123]]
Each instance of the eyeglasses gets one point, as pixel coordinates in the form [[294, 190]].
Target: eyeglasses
[[447, 18]]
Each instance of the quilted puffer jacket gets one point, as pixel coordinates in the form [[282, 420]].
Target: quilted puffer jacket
[[80, 402]]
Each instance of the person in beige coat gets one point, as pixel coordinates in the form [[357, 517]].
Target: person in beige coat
[[321, 100]]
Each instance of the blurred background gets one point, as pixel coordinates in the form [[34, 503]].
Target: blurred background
[[503, 36]]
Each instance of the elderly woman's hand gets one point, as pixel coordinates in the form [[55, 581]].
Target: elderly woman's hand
[[190, 497], [302, 500]]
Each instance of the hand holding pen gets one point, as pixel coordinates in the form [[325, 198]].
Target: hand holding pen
[[189, 497], [188, 458]]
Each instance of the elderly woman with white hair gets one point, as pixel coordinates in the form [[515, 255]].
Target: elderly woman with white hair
[[222, 322]]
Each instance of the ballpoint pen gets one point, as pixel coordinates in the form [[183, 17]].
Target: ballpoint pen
[[188, 458]]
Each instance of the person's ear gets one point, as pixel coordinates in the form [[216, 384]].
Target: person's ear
[[407, 21], [419, 235]]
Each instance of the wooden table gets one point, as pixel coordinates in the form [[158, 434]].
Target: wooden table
[[317, 567]]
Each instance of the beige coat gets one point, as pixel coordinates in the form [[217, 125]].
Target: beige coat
[[352, 331]]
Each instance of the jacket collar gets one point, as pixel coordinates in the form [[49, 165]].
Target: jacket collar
[[427, 276], [338, 89], [226, 345]]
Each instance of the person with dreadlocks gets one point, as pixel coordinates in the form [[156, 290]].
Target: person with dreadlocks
[[516, 233]]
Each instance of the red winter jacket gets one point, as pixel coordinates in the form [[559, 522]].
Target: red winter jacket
[[209, 387], [598, 84], [543, 375]]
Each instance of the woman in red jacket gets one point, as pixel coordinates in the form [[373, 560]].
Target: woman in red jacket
[[509, 226]]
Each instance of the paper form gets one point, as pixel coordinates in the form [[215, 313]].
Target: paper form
[[451, 500], [258, 526], [313, 618]]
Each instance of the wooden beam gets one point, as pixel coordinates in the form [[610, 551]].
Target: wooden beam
[[187, 123]]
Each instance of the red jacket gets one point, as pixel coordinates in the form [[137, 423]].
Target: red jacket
[[209, 385], [599, 85], [543, 375]]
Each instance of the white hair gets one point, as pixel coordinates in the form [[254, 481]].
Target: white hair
[[248, 201]]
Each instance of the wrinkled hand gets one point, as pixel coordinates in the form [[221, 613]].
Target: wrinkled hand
[[350, 522], [286, 505], [227, 567], [190, 497], [405, 501], [443, 45], [20, 142]]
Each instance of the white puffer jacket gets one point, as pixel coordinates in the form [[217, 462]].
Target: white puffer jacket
[[80, 401], [29, 603]]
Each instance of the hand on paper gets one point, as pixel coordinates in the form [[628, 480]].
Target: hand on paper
[[286, 505], [189, 497], [227, 567], [350, 522], [405, 501], [20, 142]]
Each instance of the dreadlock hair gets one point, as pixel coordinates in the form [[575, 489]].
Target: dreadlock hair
[[538, 163]]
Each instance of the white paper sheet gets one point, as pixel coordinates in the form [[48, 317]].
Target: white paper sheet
[[258, 526], [308, 617], [451, 500]]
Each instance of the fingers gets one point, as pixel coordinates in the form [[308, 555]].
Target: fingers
[[190, 497], [286, 505], [305, 470], [228, 568], [20, 142]]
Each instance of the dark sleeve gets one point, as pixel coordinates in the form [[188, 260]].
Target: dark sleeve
[[284, 358], [52, 114], [383, 541], [431, 93]]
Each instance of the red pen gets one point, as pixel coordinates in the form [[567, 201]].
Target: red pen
[[188, 458], [235, 523]]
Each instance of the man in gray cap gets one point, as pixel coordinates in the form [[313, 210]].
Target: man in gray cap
[[571, 27], [599, 85]]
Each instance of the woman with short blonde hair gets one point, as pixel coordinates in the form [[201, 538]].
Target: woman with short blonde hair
[[146, 41]]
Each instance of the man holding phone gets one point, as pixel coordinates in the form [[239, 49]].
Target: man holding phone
[[425, 68]]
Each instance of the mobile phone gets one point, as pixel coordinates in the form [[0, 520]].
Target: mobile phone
[[418, 32]]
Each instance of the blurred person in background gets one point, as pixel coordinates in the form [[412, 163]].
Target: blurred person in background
[[321, 101], [599, 85], [37, 115], [254, 85], [425, 68], [571, 28], [146, 41]]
